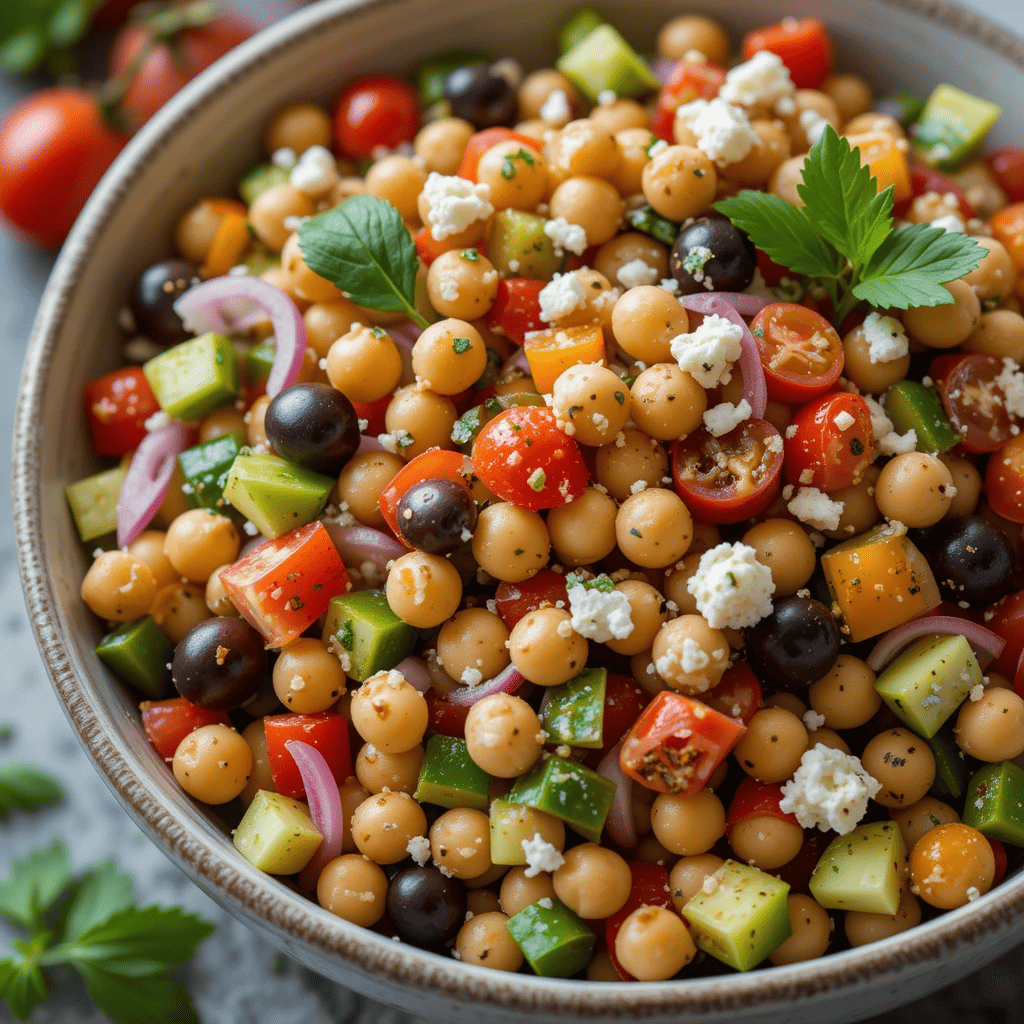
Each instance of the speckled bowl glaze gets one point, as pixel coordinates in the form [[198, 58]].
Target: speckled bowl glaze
[[197, 146]]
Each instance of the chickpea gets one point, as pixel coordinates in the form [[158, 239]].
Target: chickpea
[[593, 881], [582, 147], [999, 333], [271, 209], [483, 901], [460, 842], [645, 320], [261, 777], [177, 608], [871, 375], [620, 115], [771, 748], [302, 281], [583, 531], [949, 325], [353, 888], [914, 488], [364, 364], [441, 143], [425, 417], [119, 587], [787, 550], [850, 93], [917, 819], [688, 875], [592, 204], [297, 127], [764, 158], [449, 356], [654, 528], [398, 180], [873, 123], [194, 232], [225, 420], [992, 728], [379, 772], [519, 890], [148, 547], [503, 735], [679, 182], [766, 842], [212, 764], [950, 864], [811, 932], [688, 825], [352, 793], [471, 645], [996, 275], [389, 712], [546, 649], [860, 511], [690, 655], [461, 283], [485, 941], [536, 89], [361, 482], [620, 467], [646, 612], [810, 107], [644, 256], [846, 696], [591, 402], [199, 541], [307, 677], [383, 825], [667, 403], [783, 183], [903, 763], [632, 145], [682, 35], [517, 175], [653, 944], [862, 927], [255, 426], [510, 543]]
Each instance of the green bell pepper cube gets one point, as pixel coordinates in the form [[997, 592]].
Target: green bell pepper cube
[[555, 942], [573, 713], [994, 804], [140, 654], [570, 791]]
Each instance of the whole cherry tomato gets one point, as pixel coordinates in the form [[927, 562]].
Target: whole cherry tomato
[[690, 81], [802, 43], [54, 148], [828, 444], [800, 350], [117, 406], [1004, 480], [372, 111]]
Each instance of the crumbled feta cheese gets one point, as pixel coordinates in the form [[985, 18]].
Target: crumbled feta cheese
[[977, 692], [813, 125], [816, 508], [731, 587], [1011, 383], [830, 789], [316, 172], [762, 80], [693, 658], [448, 289], [566, 236], [471, 676], [540, 856], [157, 421], [725, 417], [722, 130], [880, 422], [656, 147], [844, 420], [949, 222], [694, 263], [708, 352], [599, 614], [813, 720], [886, 338], [285, 158], [419, 849], [636, 273], [898, 444], [556, 109], [454, 203], [560, 296], [606, 96], [670, 285], [973, 893], [546, 902]]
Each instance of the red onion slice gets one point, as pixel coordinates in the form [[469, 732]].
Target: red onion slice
[[664, 69], [733, 306], [519, 361], [148, 477], [367, 443], [324, 806], [415, 672], [358, 544], [619, 823], [507, 681], [226, 303], [404, 334], [987, 645]]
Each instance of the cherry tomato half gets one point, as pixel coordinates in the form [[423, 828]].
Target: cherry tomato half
[[1007, 166], [1004, 480], [755, 799], [514, 600], [972, 399], [483, 141], [800, 350], [828, 444], [691, 80], [372, 111], [1008, 621], [117, 406], [730, 478], [802, 43]]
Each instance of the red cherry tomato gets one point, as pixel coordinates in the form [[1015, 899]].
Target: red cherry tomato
[[737, 695], [730, 478], [483, 141], [168, 722], [514, 600], [828, 444], [999, 855], [802, 43], [800, 350], [797, 872], [117, 406], [54, 148], [372, 111], [516, 308], [436, 464], [169, 66], [650, 889], [623, 702], [690, 81], [1007, 165], [444, 717], [972, 399], [326, 731], [1008, 621], [928, 179], [373, 413], [524, 458], [1004, 480], [755, 799]]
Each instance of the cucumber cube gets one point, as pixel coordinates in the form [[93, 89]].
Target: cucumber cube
[[258, 179], [743, 919], [140, 654], [512, 825], [259, 360], [93, 503], [206, 468], [274, 494], [929, 681], [192, 379], [863, 870], [647, 221], [573, 713], [602, 60], [952, 125], [555, 942], [570, 791], [276, 834], [518, 247], [995, 803], [449, 777], [952, 766], [912, 406], [373, 636], [577, 28]]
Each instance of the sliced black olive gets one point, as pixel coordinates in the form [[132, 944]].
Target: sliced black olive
[[426, 908], [479, 94], [795, 645], [972, 559], [710, 254], [219, 664], [152, 300], [436, 516], [313, 425]]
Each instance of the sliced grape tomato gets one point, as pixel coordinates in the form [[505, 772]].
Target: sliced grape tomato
[[974, 403], [800, 351]]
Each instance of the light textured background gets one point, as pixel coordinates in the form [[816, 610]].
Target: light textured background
[[236, 978]]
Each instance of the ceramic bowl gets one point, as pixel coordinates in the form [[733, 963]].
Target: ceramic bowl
[[197, 146]]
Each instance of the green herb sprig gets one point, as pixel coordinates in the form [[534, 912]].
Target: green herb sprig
[[121, 951], [24, 788], [844, 240]]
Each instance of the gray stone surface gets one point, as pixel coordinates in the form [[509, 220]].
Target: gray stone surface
[[235, 978]]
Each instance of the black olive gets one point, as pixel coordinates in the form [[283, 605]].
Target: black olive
[[425, 907], [479, 94], [972, 559], [434, 515], [729, 267], [152, 300], [219, 664], [313, 425], [795, 645]]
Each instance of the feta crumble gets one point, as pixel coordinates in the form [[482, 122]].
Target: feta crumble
[[540, 856], [419, 849], [886, 338], [813, 720], [316, 172], [560, 296], [454, 203], [731, 587], [977, 692], [830, 790], [708, 352], [725, 417], [722, 130], [816, 508], [762, 80], [636, 273], [566, 236], [600, 615], [556, 109], [1011, 383], [948, 222], [898, 444]]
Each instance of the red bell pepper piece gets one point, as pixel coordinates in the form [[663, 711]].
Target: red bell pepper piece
[[168, 722], [737, 695], [326, 731], [516, 308], [802, 43]]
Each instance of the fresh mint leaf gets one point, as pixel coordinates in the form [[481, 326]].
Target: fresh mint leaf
[[22, 985], [364, 248], [910, 266], [37, 879], [100, 893], [24, 788], [160, 999], [782, 232]]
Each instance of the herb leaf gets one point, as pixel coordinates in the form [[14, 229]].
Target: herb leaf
[[24, 788], [101, 892], [22, 985], [160, 999], [363, 247], [37, 879]]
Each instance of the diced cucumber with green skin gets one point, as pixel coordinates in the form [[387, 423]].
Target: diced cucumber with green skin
[[604, 60], [206, 467], [577, 28], [261, 177], [431, 73], [554, 941], [274, 494], [192, 379], [276, 834], [904, 106], [570, 791], [863, 870], [646, 220], [363, 627], [928, 681], [259, 262], [449, 777], [472, 421], [995, 803], [952, 125], [573, 713], [93, 503], [743, 919], [141, 655], [952, 766], [258, 361], [912, 406], [518, 247], [511, 826]]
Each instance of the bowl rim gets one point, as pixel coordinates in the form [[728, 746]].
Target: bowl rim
[[248, 893]]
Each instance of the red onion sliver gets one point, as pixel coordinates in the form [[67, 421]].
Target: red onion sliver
[[415, 672], [369, 444], [506, 681], [664, 69], [358, 544], [619, 823], [987, 645], [226, 303], [404, 334], [324, 803], [518, 359], [148, 477], [755, 389]]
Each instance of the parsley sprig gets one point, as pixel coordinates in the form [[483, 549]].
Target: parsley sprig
[[122, 952], [844, 239], [24, 788]]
